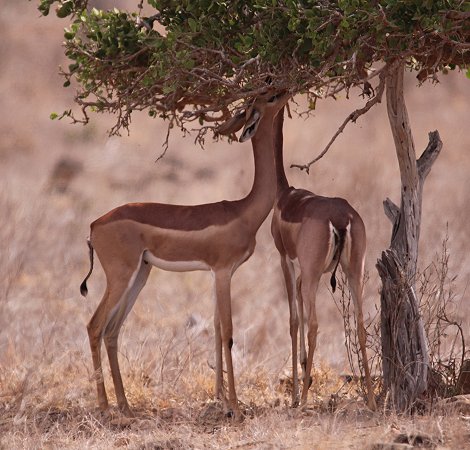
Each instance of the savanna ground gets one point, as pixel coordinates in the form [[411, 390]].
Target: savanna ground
[[47, 398]]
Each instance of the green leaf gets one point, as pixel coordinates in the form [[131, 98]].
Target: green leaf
[[73, 67], [53, 116], [44, 7], [189, 64], [192, 24], [69, 35], [65, 9]]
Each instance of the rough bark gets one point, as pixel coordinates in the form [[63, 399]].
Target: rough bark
[[404, 346]]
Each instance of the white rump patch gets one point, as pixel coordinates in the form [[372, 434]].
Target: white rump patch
[[174, 266], [331, 248], [346, 255]]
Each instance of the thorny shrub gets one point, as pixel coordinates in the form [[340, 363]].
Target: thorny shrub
[[443, 326]]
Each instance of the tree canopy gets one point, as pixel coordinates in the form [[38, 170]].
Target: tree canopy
[[198, 59]]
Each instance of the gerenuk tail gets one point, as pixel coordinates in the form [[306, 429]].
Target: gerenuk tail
[[341, 236], [83, 286]]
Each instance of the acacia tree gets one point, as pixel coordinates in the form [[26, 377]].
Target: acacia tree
[[198, 61]]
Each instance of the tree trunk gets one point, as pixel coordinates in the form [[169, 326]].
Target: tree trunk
[[404, 346]]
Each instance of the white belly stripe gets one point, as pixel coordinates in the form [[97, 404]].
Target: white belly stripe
[[174, 266]]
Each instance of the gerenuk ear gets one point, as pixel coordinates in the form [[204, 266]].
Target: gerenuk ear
[[232, 125], [251, 125]]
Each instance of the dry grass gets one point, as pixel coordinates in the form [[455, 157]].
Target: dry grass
[[166, 348]]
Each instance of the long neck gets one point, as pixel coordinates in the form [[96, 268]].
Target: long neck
[[261, 198], [281, 178]]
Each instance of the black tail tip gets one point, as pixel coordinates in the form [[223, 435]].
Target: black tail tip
[[84, 289], [333, 283]]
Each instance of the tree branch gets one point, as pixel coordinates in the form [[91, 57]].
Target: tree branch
[[391, 210], [351, 118], [427, 158]]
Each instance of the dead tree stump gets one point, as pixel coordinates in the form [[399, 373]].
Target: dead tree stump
[[404, 346]]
